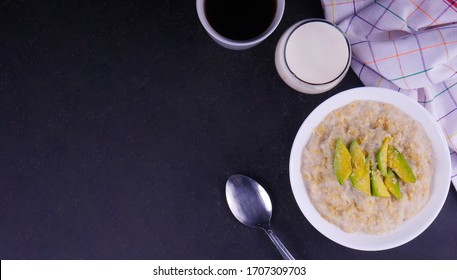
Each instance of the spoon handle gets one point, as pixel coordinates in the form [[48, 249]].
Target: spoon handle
[[281, 248]]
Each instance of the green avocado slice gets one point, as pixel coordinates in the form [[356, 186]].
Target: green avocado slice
[[397, 162], [378, 188], [341, 162], [391, 183], [381, 156], [360, 177]]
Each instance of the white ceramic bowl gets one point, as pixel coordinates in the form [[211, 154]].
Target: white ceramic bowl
[[439, 188]]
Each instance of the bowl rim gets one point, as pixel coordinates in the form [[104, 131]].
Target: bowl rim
[[410, 228]]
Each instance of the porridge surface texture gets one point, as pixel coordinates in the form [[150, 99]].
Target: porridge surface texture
[[368, 122]]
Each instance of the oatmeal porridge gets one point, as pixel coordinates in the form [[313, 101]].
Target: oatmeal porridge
[[368, 123]]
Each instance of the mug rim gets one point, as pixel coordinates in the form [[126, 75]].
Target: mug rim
[[240, 43]]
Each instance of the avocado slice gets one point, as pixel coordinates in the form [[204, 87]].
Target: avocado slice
[[381, 156], [342, 162], [391, 183], [360, 177], [397, 162], [378, 188]]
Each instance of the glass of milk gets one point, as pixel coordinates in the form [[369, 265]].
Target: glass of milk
[[313, 56]]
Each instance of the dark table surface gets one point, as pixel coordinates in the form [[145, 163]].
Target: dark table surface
[[120, 122]]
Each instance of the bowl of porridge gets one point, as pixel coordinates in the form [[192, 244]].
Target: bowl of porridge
[[370, 168]]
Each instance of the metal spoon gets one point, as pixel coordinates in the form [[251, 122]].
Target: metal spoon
[[251, 205]]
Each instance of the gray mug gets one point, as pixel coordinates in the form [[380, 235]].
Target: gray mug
[[234, 44]]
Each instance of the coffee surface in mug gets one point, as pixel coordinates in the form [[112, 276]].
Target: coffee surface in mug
[[240, 19]]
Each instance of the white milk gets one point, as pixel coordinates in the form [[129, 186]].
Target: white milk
[[312, 56]]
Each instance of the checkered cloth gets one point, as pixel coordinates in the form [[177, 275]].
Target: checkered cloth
[[409, 46]]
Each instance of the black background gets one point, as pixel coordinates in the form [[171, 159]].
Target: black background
[[120, 122]]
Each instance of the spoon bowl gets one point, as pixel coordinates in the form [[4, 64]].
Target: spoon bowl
[[248, 201], [251, 205]]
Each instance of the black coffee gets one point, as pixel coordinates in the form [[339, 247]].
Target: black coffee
[[240, 19]]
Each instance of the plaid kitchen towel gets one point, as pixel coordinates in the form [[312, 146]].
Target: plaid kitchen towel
[[409, 46]]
